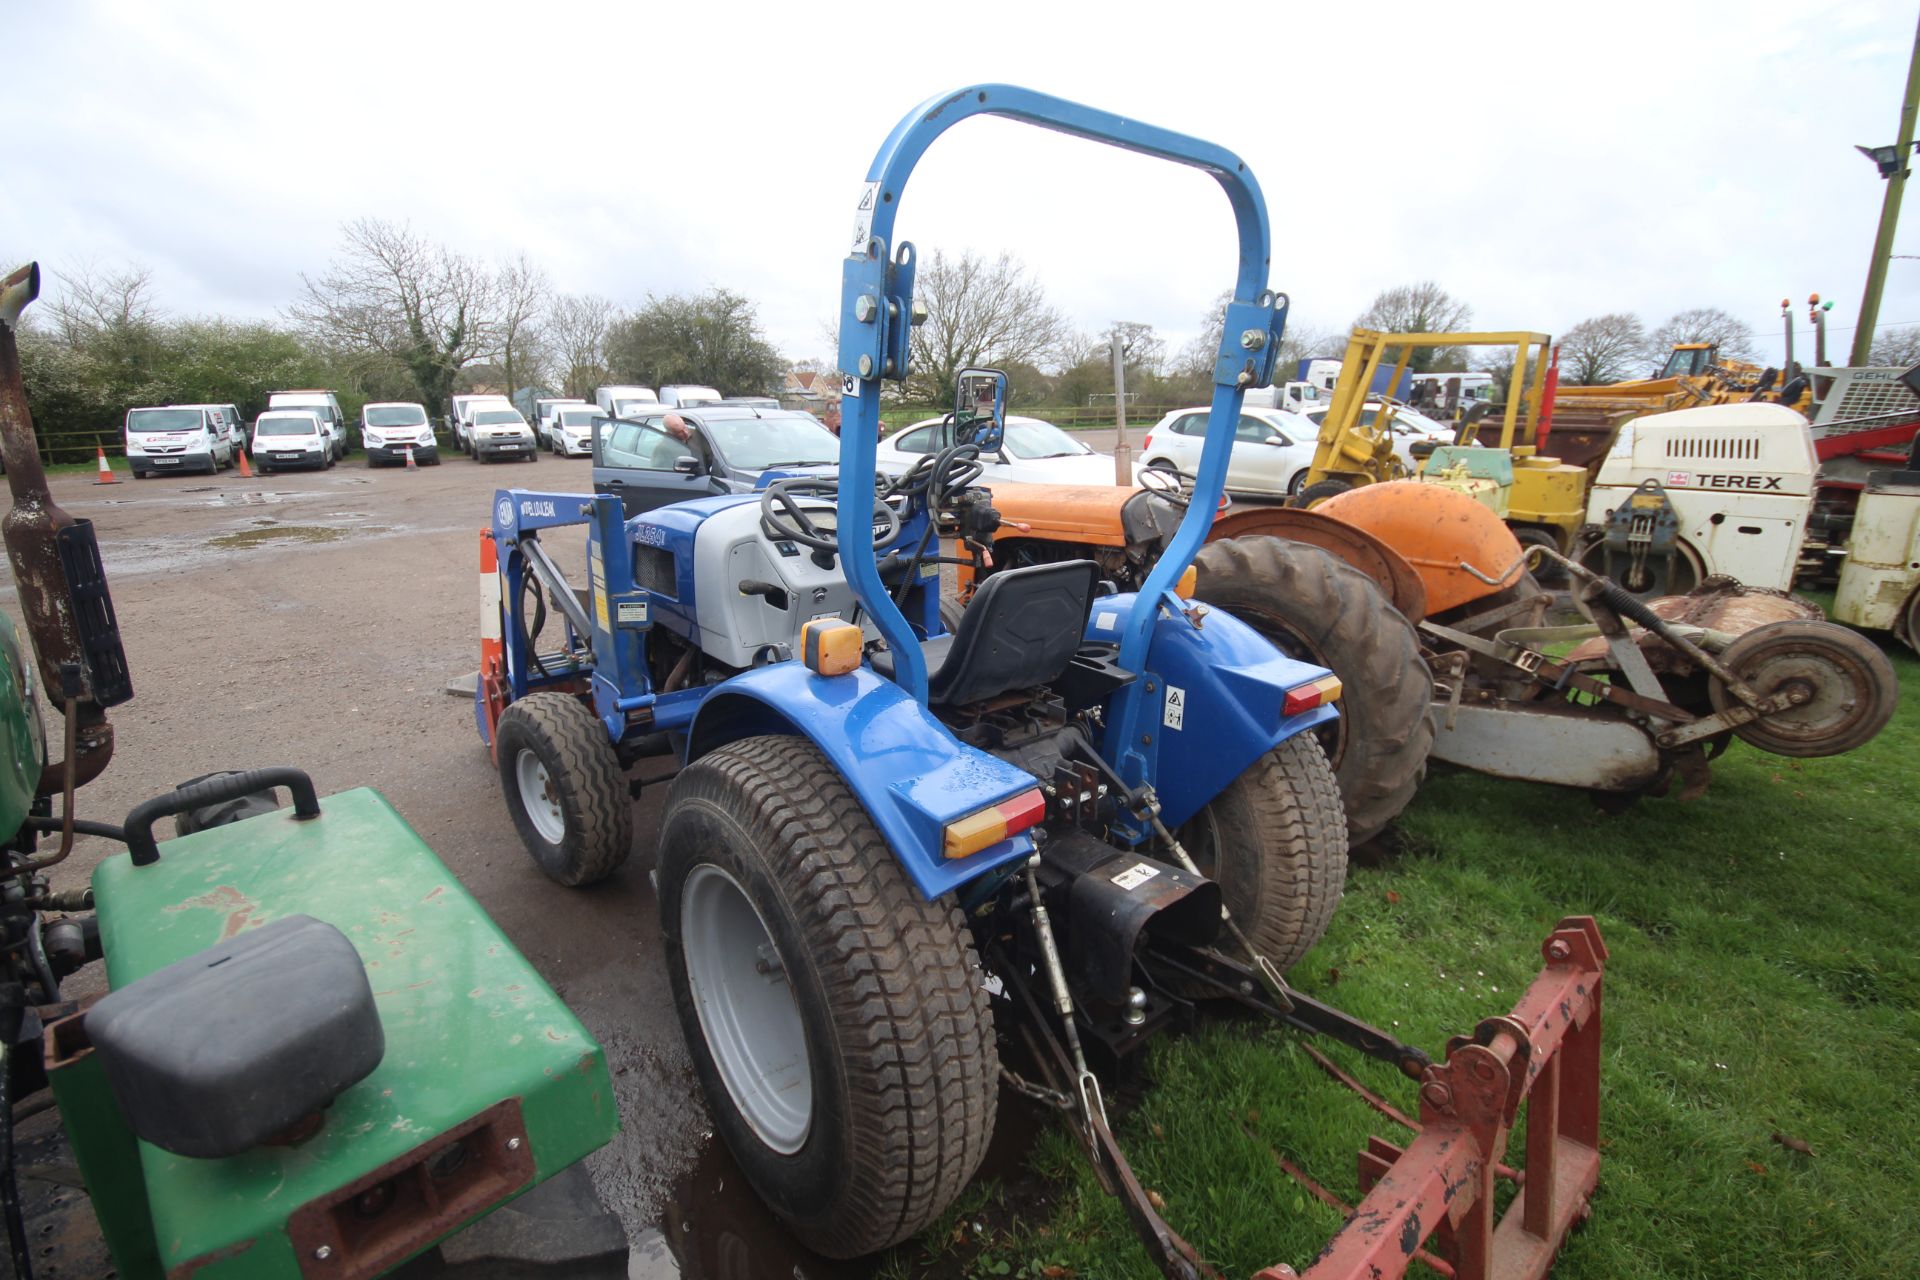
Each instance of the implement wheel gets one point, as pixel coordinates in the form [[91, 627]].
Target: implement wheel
[[1849, 686], [1315, 494], [564, 787], [838, 1021], [1319, 609], [1276, 842]]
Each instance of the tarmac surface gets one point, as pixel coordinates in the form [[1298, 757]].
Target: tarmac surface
[[315, 619]]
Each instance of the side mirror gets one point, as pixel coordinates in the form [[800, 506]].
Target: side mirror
[[980, 408], [1275, 440], [687, 465]]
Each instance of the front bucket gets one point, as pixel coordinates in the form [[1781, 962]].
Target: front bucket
[[1436, 1196]]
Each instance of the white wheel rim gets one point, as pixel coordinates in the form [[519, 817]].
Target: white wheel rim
[[538, 799], [748, 1015]]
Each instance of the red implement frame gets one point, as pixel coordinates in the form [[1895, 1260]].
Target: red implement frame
[[1546, 1053]]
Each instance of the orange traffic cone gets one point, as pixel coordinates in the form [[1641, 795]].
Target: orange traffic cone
[[411, 464], [106, 472], [246, 472]]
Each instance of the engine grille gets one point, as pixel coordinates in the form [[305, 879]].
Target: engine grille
[[654, 569]]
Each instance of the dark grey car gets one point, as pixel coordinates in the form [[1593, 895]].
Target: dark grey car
[[725, 449]]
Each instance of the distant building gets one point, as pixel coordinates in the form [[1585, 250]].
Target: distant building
[[805, 389]]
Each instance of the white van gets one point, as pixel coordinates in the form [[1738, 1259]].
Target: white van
[[498, 431], [177, 438], [462, 417], [619, 402], [284, 438], [687, 394], [324, 406], [230, 419], [545, 410]]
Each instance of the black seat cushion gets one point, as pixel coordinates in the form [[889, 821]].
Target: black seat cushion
[[1020, 630], [216, 1053]]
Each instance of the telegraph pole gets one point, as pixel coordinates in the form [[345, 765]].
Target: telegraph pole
[[1892, 162]]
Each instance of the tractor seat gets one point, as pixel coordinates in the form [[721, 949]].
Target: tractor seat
[[1020, 630]]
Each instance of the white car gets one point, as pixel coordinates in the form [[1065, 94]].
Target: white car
[[1035, 452], [1409, 428], [571, 431], [1272, 449]]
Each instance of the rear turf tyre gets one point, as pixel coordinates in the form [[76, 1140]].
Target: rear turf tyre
[[1276, 842], [837, 1019], [1319, 609], [564, 787]]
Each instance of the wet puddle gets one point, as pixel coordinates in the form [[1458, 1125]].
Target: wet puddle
[[252, 498], [272, 535]]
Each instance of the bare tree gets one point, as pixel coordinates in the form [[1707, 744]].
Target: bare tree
[[1418, 308], [523, 291], [93, 301], [1732, 335], [577, 326], [392, 293], [979, 312], [1301, 341], [1900, 347], [1601, 349]]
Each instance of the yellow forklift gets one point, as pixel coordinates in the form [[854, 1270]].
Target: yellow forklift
[[1542, 498]]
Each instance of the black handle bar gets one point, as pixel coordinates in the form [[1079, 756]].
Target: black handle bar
[[139, 824]]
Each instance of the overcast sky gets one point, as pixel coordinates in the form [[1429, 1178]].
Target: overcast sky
[[1544, 162]]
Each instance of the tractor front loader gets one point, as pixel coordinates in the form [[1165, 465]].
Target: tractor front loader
[[299, 1069], [908, 861]]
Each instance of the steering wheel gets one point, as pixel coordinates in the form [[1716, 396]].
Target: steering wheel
[[783, 519], [952, 468], [1174, 486]]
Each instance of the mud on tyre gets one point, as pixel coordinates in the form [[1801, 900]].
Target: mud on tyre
[[838, 1021]]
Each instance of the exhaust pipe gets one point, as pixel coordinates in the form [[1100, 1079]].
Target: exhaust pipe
[[57, 570]]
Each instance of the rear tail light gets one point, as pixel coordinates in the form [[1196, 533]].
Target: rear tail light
[[1317, 693], [988, 827], [1147, 443]]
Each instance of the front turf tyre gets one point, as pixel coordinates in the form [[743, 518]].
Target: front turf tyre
[[1319, 609], [564, 787], [838, 1021], [1276, 843]]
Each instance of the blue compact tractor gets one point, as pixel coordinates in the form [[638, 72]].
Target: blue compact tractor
[[902, 863]]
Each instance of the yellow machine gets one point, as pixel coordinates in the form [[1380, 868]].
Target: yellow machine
[[1543, 498], [1694, 375]]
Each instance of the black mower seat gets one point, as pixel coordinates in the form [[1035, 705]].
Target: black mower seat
[[1020, 630]]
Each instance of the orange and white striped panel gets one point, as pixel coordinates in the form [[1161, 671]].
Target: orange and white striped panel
[[490, 647]]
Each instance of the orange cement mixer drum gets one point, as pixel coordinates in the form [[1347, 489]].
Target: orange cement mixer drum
[[1460, 548]]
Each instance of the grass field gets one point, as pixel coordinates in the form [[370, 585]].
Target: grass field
[[1764, 980]]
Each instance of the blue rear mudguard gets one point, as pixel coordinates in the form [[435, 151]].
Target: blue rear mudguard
[[914, 777], [1217, 693], [911, 775]]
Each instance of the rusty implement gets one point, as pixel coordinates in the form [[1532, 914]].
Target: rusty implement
[[1437, 1195]]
